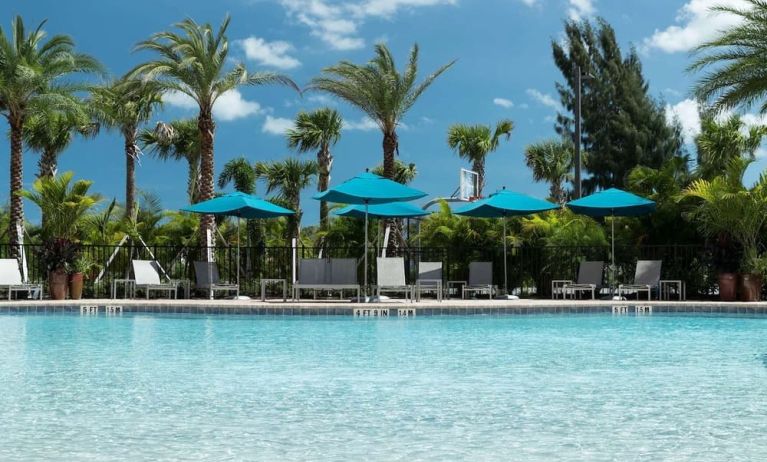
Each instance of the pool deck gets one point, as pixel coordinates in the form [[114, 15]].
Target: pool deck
[[428, 307]]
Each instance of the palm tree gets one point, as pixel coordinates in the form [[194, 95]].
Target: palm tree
[[380, 91], [31, 70], [178, 140], [241, 174], [65, 204], [551, 161], [124, 105], [475, 142], [736, 60], [403, 173], [194, 63], [288, 178], [318, 130], [721, 141], [50, 131]]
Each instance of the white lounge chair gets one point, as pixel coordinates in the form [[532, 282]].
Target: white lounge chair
[[590, 274], [207, 278], [10, 280], [147, 278], [429, 279], [390, 277], [326, 274], [646, 278], [480, 279]]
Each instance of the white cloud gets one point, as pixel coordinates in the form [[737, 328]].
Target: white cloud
[[544, 98], [695, 24], [365, 124], [337, 23], [276, 125], [229, 106], [530, 2], [687, 113], [580, 9], [503, 102], [273, 54]]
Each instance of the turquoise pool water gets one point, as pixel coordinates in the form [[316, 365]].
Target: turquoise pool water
[[147, 387]]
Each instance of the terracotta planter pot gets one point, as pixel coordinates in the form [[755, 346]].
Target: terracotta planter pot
[[750, 289], [57, 284], [76, 286], [728, 287]]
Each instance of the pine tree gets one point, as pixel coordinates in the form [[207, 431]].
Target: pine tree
[[622, 125]]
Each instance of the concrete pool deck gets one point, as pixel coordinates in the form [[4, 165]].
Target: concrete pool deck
[[425, 307]]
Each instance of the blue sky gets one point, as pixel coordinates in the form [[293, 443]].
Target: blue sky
[[504, 70]]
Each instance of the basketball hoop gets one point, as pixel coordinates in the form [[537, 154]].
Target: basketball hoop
[[468, 185]]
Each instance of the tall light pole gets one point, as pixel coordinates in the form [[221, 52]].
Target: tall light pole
[[577, 135]]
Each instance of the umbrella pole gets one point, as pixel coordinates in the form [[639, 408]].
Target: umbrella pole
[[505, 263], [365, 288], [612, 223], [238, 256]]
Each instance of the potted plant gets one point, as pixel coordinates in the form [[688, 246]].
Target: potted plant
[[80, 270], [751, 280], [57, 255], [727, 211]]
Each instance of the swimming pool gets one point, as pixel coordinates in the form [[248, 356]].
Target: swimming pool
[[576, 387]]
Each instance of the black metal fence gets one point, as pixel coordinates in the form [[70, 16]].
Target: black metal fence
[[530, 269]]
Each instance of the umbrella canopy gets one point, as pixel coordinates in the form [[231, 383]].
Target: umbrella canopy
[[369, 188], [239, 204], [612, 202], [505, 204], [390, 210]]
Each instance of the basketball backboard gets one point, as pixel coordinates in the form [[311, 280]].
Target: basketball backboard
[[469, 185]]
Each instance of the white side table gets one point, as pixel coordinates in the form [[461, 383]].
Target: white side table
[[129, 287], [558, 287], [451, 284], [669, 286], [284, 282]]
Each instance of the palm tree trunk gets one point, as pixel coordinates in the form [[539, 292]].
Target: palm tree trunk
[[390, 146], [207, 129], [325, 163], [16, 175], [48, 164], [479, 167], [192, 182], [129, 135], [389, 150]]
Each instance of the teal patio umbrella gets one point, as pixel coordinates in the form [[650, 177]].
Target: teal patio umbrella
[[390, 210], [612, 203], [238, 205], [369, 189], [504, 204]]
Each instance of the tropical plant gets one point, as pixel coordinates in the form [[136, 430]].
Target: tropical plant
[[318, 130], [241, 174], [551, 161], [195, 63], [475, 142], [735, 59], [723, 207], [563, 228], [64, 203], [288, 178], [59, 254], [50, 130], [32, 71], [124, 105], [380, 91], [720, 141], [403, 173], [178, 140]]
